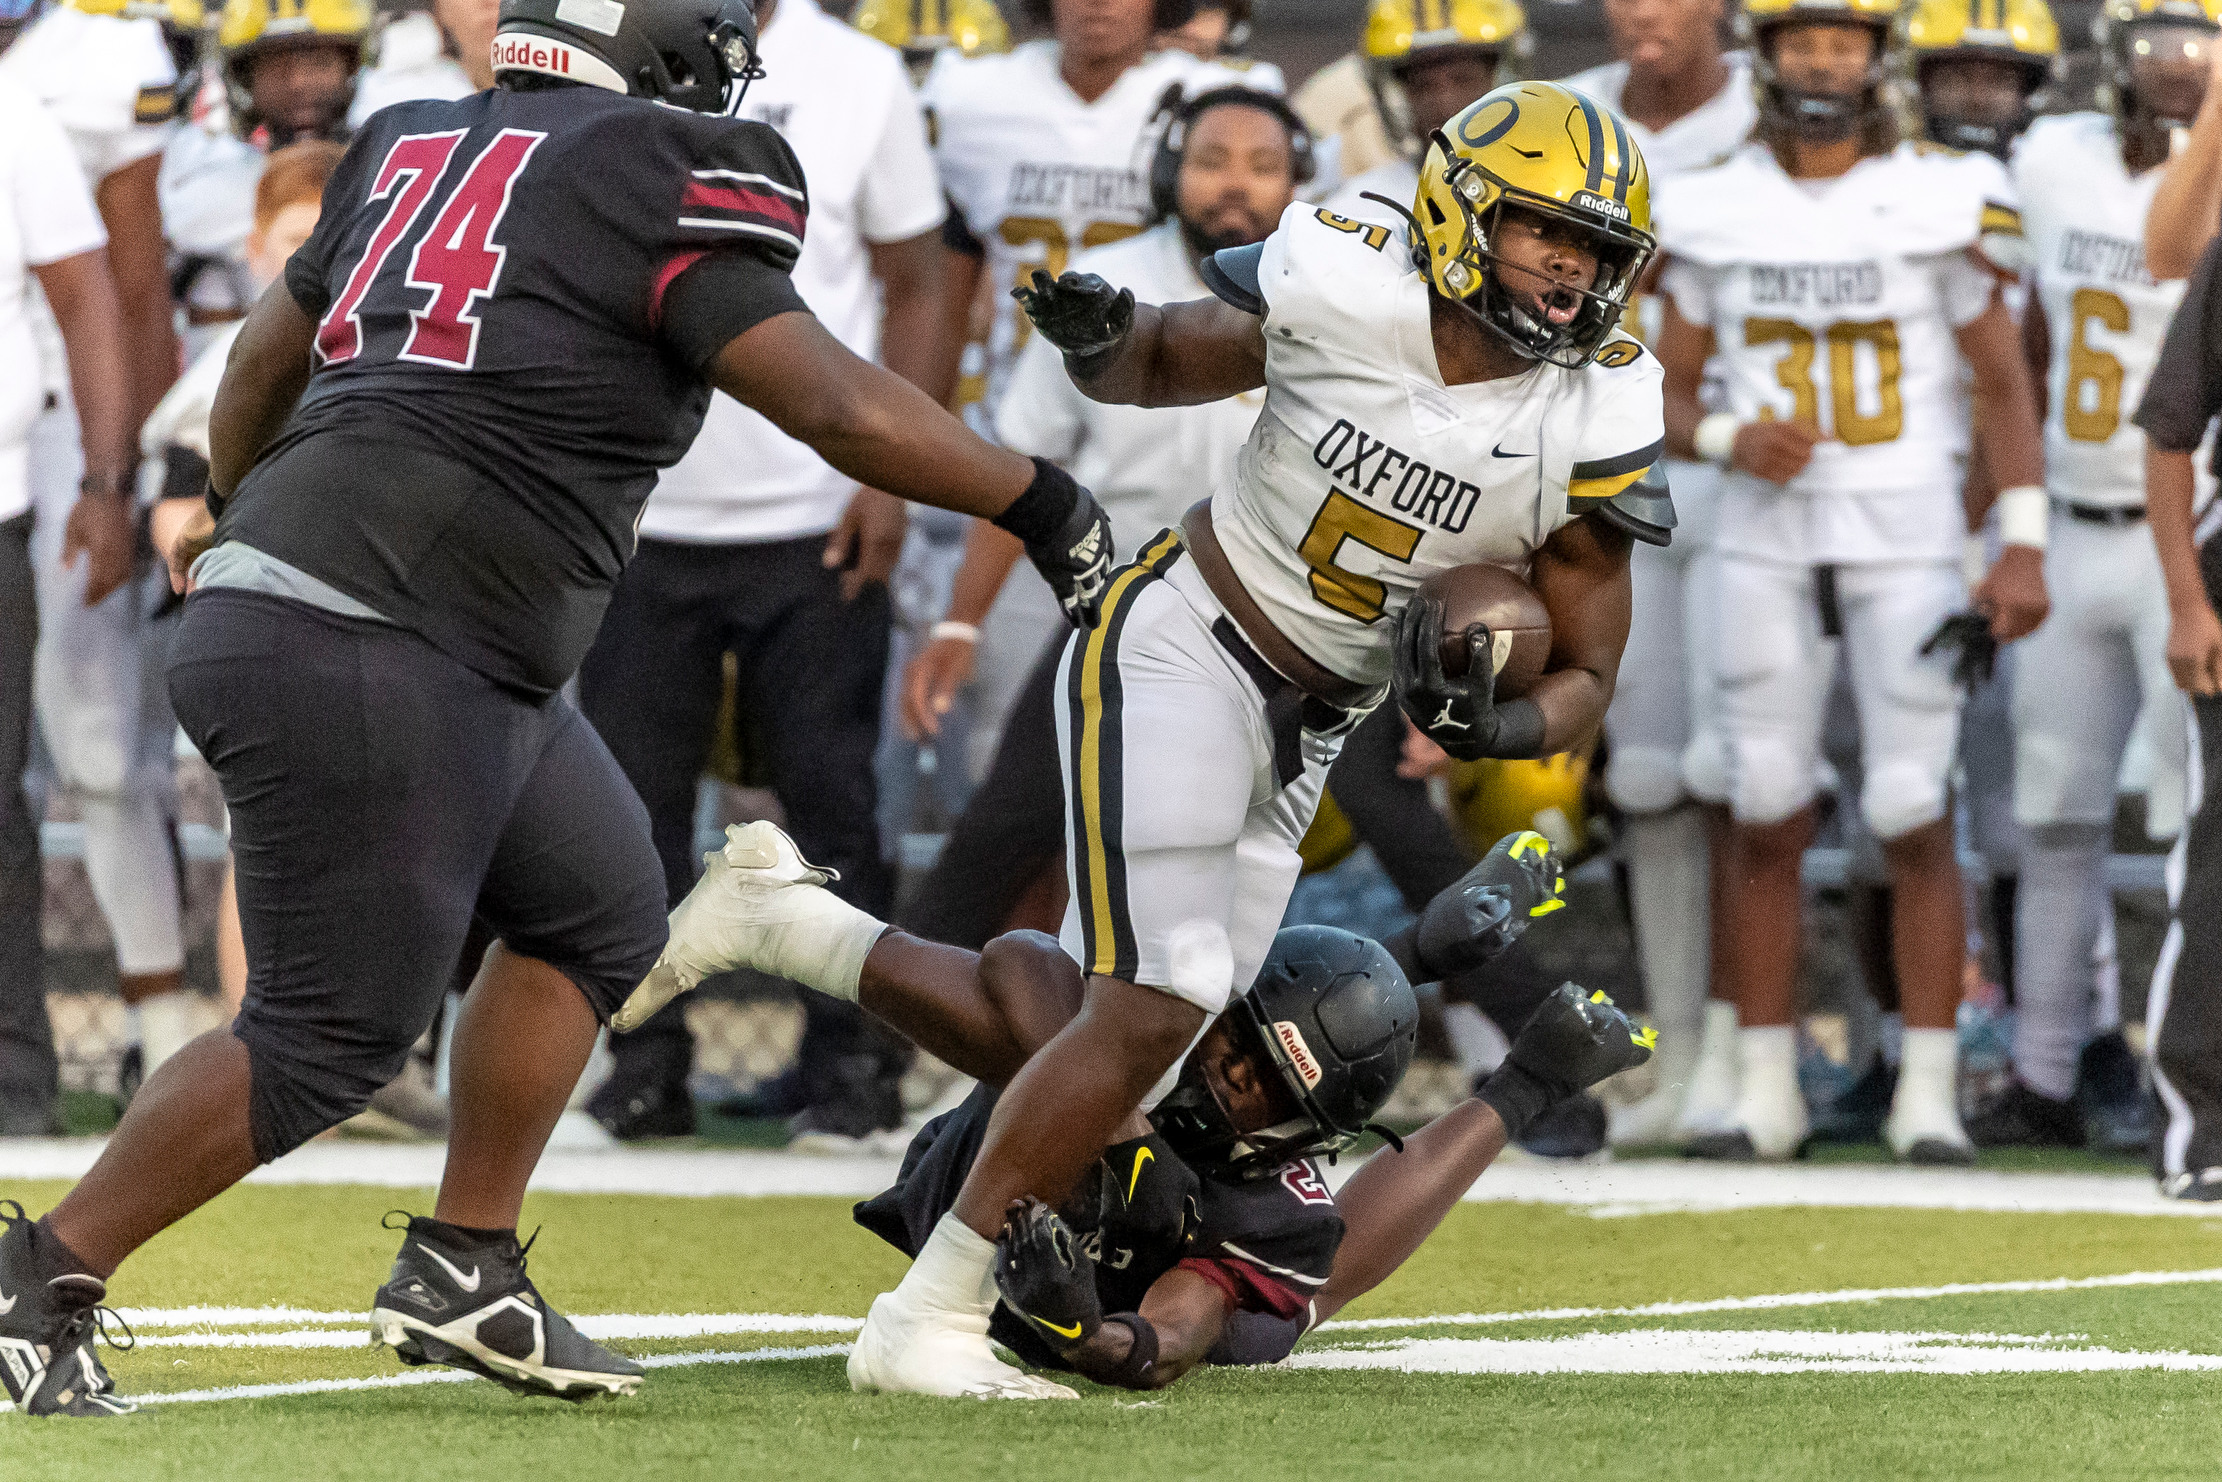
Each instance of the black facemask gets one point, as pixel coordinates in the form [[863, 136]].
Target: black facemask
[[1819, 118]]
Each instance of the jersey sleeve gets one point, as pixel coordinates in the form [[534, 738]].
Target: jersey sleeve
[[53, 206], [1689, 287], [902, 195], [1965, 286], [744, 189], [1268, 1244], [1624, 430]]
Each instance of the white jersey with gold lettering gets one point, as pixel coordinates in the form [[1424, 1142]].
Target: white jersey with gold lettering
[[1039, 175], [2084, 215], [1833, 303], [1366, 474]]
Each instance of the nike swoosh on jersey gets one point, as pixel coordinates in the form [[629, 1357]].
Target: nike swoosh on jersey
[[467, 1283], [1499, 452], [1135, 1181], [1071, 1332]]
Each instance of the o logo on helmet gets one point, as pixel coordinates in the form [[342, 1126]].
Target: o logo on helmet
[[1479, 131]]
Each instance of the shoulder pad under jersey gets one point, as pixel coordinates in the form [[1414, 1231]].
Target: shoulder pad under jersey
[[1231, 274], [1644, 509]]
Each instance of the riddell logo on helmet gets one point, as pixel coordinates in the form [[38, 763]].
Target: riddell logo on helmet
[[1603, 206], [1299, 1053], [522, 51]]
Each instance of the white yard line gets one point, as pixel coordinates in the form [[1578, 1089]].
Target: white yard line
[[1609, 1189], [1777, 1300], [1683, 1351], [453, 1376], [603, 1327]]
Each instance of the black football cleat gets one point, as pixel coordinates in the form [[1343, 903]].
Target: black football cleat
[[49, 1318], [2024, 1118], [646, 1110], [467, 1303]]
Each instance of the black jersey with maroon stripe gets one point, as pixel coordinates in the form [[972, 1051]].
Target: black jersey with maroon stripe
[[490, 279], [1268, 1244]]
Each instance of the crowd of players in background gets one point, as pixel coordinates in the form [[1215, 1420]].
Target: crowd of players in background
[[881, 673]]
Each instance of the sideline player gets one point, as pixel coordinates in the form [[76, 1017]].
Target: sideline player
[[1226, 169], [1833, 270], [753, 546], [110, 80], [1459, 401], [923, 29], [1426, 61], [414, 544], [1210, 1234], [2093, 331], [1687, 104]]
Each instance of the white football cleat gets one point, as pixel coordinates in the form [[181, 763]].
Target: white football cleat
[[758, 904], [937, 1353]]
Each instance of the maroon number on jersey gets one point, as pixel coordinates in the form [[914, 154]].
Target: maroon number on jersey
[[457, 260], [1302, 1179]]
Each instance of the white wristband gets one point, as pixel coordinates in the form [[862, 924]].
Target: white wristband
[[1975, 562], [962, 632], [1716, 437], [2024, 516]]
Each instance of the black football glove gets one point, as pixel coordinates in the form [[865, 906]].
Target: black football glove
[[1969, 634], [1489, 907], [1572, 1041], [1076, 561], [1459, 714], [1149, 1200], [1043, 1276], [1079, 313]]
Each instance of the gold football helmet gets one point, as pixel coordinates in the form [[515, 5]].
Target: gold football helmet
[[2128, 29], [2019, 33], [1818, 115], [250, 27], [923, 29], [1489, 799], [1548, 150], [1399, 32], [184, 15]]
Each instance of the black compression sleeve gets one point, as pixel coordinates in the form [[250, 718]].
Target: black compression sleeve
[[717, 300], [1047, 503]]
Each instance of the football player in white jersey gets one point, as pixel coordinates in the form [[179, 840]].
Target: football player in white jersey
[[1979, 70], [1463, 399], [1835, 272], [106, 73], [1687, 104], [2093, 328], [1043, 150], [1425, 60]]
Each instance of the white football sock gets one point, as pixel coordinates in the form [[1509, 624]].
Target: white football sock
[[1926, 1106], [1890, 1036], [1475, 1039], [954, 1272], [1710, 1104], [1771, 1110], [165, 1025], [1669, 890]]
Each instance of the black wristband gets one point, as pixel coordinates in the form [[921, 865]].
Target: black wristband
[[1519, 730], [1087, 366], [1041, 512], [1139, 1371], [212, 501], [1518, 1096]]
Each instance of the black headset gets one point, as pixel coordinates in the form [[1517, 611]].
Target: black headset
[[1165, 164]]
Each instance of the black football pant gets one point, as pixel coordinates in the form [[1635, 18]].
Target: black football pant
[[27, 1068], [811, 671], [2184, 1013], [381, 795]]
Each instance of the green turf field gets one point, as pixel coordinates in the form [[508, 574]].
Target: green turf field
[[1876, 1386]]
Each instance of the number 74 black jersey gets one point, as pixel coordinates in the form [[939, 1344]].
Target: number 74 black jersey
[[493, 281]]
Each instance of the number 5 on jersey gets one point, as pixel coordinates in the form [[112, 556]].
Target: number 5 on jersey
[[457, 261]]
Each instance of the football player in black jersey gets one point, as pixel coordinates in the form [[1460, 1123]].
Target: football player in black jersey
[[1207, 1232], [428, 454]]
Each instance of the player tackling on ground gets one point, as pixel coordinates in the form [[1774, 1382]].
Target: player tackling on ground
[[514, 305], [1462, 400]]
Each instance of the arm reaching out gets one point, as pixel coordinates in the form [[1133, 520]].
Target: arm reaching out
[[1179, 355]]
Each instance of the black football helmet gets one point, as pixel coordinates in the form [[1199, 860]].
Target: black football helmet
[[693, 54], [1333, 1016]]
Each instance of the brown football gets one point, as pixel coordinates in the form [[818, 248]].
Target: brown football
[[1519, 628]]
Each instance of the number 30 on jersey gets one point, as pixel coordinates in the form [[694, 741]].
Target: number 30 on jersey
[[457, 262]]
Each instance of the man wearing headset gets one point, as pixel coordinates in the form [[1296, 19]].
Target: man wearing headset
[[1229, 164]]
